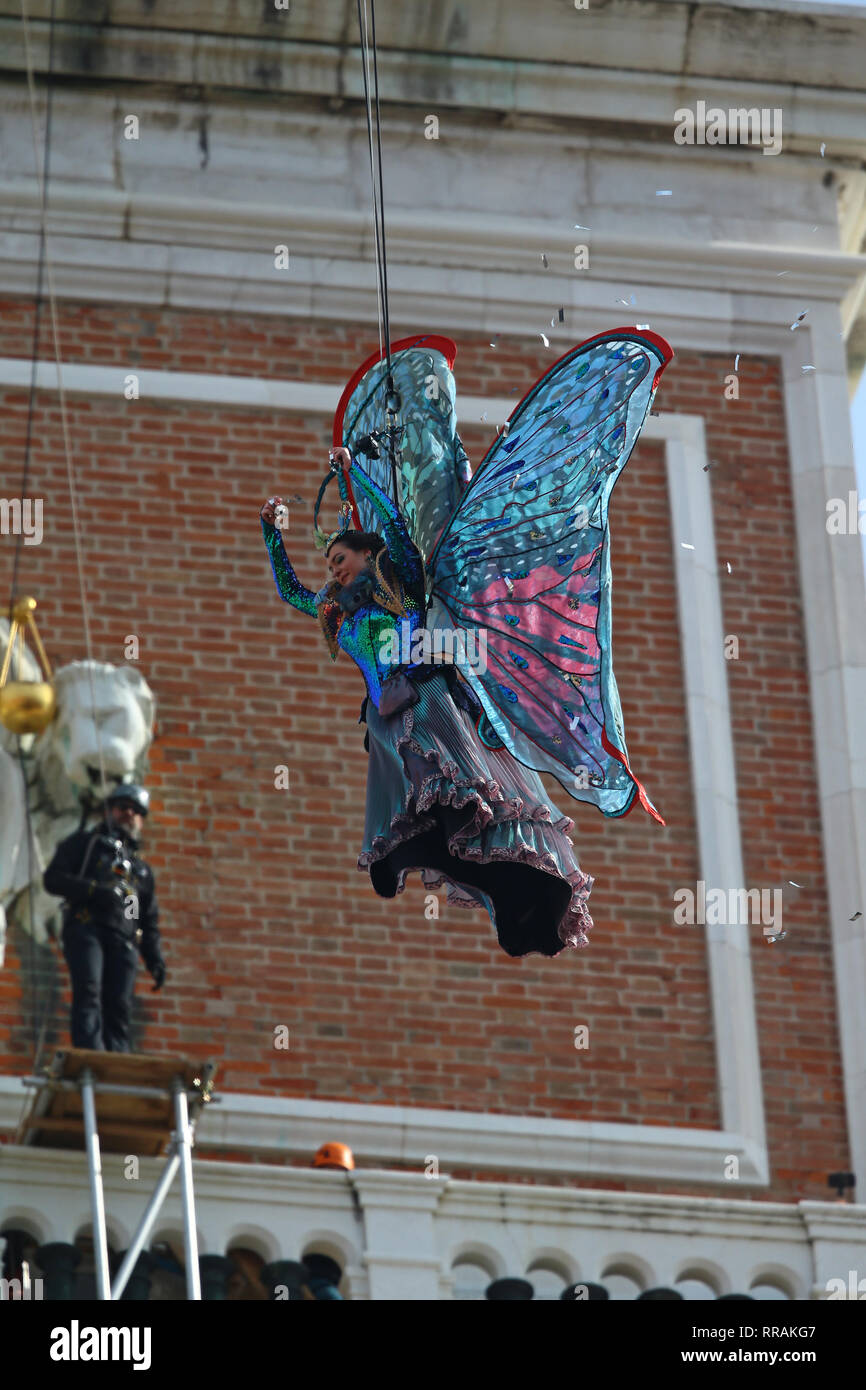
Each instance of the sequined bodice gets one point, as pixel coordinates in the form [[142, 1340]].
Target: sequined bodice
[[371, 636], [377, 639]]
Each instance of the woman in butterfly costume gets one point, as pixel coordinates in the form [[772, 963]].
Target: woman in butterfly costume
[[514, 564]]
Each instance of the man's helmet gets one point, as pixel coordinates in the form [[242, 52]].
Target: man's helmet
[[131, 791]]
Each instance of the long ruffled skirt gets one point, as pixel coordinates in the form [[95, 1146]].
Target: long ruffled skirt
[[440, 803]]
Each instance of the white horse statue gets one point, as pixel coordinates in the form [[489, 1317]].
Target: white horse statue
[[100, 709]]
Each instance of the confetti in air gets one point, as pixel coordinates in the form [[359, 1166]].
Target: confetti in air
[[807, 369], [573, 725], [782, 272], [664, 192], [544, 339], [793, 884], [483, 417], [736, 362], [856, 915], [642, 327], [799, 319], [685, 545], [493, 342], [561, 315], [728, 563], [823, 148], [544, 260], [579, 227]]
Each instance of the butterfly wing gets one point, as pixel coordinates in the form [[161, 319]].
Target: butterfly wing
[[524, 567], [433, 469]]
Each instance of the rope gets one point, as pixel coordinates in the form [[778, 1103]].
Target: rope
[[45, 261], [365, 69], [381, 196], [378, 202]]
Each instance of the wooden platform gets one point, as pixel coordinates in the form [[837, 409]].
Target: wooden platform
[[127, 1124]]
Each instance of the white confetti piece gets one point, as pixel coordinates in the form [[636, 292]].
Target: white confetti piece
[[823, 148], [737, 362], [573, 725], [664, 192], [493, 343], [483, 417], [544, 260], [799, 319], [728, 563], [685, 545], [808, 369], [793, 884], [544, 339], [579, 227], [642, 327], [782, 272], [856, 915]]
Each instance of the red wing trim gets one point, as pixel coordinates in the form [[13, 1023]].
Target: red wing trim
[[446, 346], [643, 334], [641, 794]]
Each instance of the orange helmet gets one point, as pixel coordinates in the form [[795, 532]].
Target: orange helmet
[[334, 1156]]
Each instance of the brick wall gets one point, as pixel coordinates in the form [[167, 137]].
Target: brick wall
[[267, 920]]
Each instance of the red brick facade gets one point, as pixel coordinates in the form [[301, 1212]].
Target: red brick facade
[[267, 920]]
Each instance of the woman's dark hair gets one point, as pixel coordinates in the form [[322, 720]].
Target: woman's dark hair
[[359, 540]]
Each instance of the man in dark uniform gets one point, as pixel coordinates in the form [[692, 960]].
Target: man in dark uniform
[[110, 914]]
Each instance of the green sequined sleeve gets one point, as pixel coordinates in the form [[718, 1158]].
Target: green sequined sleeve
[[289, 585], [404, 554]]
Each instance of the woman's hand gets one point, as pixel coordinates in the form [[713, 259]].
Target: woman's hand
[[268, 512], [340, 459]]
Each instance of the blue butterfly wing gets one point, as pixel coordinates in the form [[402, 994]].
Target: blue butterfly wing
[[433, 469], [524, 567]]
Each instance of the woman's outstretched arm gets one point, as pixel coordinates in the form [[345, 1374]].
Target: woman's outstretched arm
[[289, 585], [404, 554]]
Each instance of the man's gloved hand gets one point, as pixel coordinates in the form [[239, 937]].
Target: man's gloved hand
[[158, 973]]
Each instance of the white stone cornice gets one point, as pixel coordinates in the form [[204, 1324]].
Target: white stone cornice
[[597, 73], [145, 235]]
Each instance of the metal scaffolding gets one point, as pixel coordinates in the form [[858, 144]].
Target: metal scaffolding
[[140, 1096]]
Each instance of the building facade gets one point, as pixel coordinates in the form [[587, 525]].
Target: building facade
[[521, 1118]]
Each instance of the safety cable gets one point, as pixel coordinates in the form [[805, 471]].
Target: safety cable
[[42, 168], [365, 69]]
